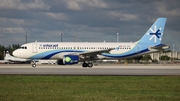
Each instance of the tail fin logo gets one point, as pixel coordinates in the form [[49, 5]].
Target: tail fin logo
[[155, 34]]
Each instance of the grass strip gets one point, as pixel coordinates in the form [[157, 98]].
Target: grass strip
[[89, 88]]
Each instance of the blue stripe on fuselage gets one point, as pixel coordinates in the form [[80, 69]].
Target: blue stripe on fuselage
[[49, 54]]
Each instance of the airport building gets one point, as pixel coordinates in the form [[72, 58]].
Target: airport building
[[174, 55]]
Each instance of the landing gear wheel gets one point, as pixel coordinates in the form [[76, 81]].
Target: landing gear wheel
[[33, 65], [90, 65], [84, 65]]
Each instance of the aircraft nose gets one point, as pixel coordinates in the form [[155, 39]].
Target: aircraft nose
[[16, 53]]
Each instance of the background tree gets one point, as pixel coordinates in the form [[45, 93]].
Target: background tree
[[146, 57], [9, 48], [2, 50], [137, 59], [164, 57]]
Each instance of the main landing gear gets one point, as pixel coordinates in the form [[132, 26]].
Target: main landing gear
[[89, 64]]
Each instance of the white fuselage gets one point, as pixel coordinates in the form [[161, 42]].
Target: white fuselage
[[56, 50]]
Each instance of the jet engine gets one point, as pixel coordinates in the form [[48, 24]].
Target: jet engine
[[68, 60]]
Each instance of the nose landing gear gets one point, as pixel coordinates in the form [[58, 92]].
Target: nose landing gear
[[33, 63]]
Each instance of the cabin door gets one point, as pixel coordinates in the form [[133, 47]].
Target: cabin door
[[34, 47]]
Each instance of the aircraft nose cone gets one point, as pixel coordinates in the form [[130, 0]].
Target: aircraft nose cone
[[15, 53]]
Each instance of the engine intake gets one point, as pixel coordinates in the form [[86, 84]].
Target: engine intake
[[68, 60]]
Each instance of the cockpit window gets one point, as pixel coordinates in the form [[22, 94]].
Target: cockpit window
[[23, 47]]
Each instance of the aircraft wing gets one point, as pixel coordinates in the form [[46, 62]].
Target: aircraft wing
[[159, 47], [92, 54]]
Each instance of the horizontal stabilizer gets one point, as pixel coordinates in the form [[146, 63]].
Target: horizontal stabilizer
[[159, 47]]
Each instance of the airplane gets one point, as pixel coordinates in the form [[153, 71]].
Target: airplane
[[12, 59], [68, 53], [5, 62]]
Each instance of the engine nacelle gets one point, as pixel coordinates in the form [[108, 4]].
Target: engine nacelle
[[68, 60]]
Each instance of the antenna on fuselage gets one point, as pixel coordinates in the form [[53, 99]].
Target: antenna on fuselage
[[26, 38]]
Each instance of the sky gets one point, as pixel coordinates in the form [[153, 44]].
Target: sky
[[86, 20]]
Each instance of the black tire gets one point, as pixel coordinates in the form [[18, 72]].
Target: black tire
[[90, 65], [33, 65], [84, 65]]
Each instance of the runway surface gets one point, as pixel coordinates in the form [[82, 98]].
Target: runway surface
[[96, 70]]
